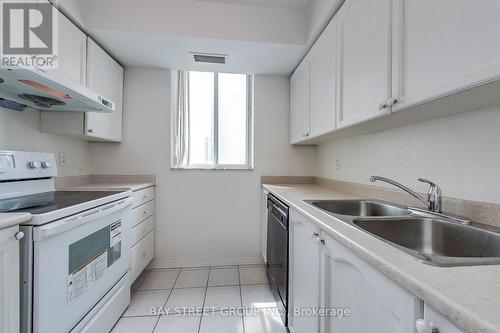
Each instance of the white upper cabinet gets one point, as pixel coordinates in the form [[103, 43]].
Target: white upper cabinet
[[365, 60], [72, 57], [322, 59], [299, 103], [376, 303], [104, 76], [313, 89], [304, 273], [448, 46]]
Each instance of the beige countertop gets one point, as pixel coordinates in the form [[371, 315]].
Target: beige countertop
[[105, 182], [10, 219], [468, 296], [134, 186]]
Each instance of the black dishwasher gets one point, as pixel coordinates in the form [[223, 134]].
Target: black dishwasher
[[277, 252]]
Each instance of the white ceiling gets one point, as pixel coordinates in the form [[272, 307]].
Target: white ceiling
[[149, 50], [259, 36], [267, 3]]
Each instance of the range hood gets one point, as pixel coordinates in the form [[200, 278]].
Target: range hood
[[48, 91]]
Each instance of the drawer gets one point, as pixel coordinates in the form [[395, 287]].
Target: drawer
[[142, 254], [143, 196], [142, 212], [142, 229]]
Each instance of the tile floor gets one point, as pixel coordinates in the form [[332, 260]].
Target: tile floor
[[197, 300]]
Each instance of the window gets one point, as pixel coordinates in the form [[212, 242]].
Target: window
[[212, 123]]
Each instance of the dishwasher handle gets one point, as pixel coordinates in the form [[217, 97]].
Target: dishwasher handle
[[280, 215]]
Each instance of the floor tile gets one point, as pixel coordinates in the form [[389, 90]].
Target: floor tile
[[264, 320], [181, 300], [161, 279], [223, 277], [223, 297], [218, 323], [135, 325], [253, 274], [192, 278], [177, 324], [225, 266], [143, 301], [257, 296]]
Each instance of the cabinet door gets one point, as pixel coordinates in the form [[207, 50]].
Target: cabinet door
[[376, 303], [299, 103], [9, 280], [365, 58], [304, 274], [323, 81], [104, 76], [444, 54], [434, 319], [72, 57]]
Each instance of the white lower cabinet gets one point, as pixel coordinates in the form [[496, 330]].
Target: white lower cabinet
[[435, 322], [376, 303], [9, 280], [142, 233], [142, 254], [304, 274], [326, 275]]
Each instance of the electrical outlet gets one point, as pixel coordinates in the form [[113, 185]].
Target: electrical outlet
[[337, 164], [62, 159]]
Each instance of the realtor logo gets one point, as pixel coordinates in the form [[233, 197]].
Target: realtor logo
[[29, 34]]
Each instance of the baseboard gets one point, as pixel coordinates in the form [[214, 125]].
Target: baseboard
[[157, 264]]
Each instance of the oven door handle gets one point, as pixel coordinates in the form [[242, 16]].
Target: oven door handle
[[57, 227]]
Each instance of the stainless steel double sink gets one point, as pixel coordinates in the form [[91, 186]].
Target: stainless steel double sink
[[432, 238]]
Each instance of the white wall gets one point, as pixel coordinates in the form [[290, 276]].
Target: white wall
[[460, 153], [321, 13], [202, 216], [21, 131]]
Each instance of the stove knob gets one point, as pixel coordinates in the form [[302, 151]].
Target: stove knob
[[35, 164], [46, 164]]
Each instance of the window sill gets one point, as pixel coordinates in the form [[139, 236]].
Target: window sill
[[213, 168]]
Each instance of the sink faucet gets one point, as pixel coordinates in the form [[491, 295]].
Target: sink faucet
[[434, 201]]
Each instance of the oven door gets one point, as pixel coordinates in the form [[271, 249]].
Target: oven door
[[76, 261]]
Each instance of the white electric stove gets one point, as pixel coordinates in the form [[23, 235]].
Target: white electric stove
[[75, 261]]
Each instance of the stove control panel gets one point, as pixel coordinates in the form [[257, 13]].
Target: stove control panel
[[18, 165]]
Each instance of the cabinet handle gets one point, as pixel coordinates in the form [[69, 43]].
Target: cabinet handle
[[90, 130], [314, 234], [392, 101], [19, 235], [424, 326], [382, 106], [318, 240]]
